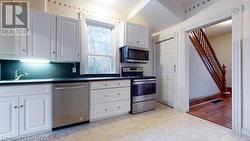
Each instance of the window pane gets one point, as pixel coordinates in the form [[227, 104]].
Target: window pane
[[99, 40], [100, 50], [99, 65]]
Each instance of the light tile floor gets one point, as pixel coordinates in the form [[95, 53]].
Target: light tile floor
[[163, 124]]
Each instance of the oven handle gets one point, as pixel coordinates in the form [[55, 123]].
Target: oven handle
[[137, 61], [146, 82]]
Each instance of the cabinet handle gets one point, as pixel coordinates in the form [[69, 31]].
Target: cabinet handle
[[24, 50], [119, 83], [15, 107], [21, 106], [119, 107], [106, 95], [119, 94], [54, 52], [106, 84], [106, 109]]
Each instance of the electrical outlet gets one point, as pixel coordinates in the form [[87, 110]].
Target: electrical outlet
[[74, 70]]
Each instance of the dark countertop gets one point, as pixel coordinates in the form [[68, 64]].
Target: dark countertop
[[66, 80]]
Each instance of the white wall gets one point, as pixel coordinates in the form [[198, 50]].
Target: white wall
[[211, 13], [201, 83], [35, 4], [222, 46]]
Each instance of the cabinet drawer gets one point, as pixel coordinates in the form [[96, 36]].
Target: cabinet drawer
[[18, 90], [109, 84], [101, 111], [109, 95]]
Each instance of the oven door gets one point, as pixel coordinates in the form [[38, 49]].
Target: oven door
[[137, 56], [143, 90]]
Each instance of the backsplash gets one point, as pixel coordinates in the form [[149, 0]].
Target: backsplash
[[37, 71]]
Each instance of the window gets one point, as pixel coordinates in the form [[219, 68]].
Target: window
[[100, 50]]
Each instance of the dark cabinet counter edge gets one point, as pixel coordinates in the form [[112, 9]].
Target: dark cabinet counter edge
[[63, 80]]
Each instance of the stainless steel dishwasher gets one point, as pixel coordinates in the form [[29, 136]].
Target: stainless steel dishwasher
[[70, 104]]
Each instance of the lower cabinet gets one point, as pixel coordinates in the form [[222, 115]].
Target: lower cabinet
[[109, 101], [24, 113], [8, 117], [34, 113]]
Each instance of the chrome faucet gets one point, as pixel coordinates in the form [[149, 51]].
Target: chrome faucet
[[18, 76]]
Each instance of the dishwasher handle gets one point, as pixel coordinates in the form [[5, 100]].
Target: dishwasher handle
[[69, 87]]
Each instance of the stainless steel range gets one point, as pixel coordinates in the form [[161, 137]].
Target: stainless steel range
[[143, 89]]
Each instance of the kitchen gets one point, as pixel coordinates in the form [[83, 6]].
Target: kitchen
[[84, 66], [46, 86]]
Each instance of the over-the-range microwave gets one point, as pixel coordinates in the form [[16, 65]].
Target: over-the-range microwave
[[131, 54]]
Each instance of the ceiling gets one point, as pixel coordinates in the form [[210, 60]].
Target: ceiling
[[219, 29], [185, 2], [122, 7], [157, 16]]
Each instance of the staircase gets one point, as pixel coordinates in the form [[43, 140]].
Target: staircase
[[208, 56]]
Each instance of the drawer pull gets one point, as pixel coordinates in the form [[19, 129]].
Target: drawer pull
[[106, 95], [15, 107], [106, 110], [119, 107], [119, 83], [21, 106], [106, 84], [119, 94]]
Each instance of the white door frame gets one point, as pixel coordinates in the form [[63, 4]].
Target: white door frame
[[183, 63]]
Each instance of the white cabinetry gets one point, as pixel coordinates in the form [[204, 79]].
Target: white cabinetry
[[136, 35], [35, 114], [42, 38], [51, 37], [109, 98], [25, 110], [13, 47], [68, 39], [9, 117]]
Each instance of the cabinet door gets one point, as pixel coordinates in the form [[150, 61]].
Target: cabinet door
[[13, 47], [8, 117], [142, 37], [68, 43], [35, 113], [132, 34], [41, 42]]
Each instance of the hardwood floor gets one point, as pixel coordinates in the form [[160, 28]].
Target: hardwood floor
[[219, 113]]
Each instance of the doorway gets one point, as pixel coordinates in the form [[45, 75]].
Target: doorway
[[210, 73]]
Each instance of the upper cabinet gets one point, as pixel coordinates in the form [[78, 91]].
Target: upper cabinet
[[42, 38], [136, 35], [13, 47], [51, 37], [68, 39]]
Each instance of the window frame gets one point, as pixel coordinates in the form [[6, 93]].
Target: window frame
[[113, 57]]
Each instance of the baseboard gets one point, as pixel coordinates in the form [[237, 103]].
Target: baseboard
[[195, 101]]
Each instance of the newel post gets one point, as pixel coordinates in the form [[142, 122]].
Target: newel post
[[224, 81]]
